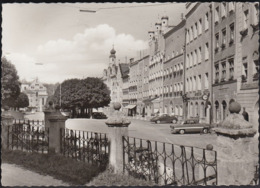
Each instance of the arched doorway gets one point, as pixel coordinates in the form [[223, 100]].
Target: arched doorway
[[216, 111], [202, 115], [196, 110], [224, 110], [191, 109]]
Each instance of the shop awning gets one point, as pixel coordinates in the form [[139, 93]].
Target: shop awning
[[130, 106]]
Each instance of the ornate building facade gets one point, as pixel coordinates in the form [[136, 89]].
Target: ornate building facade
[[36, 93]]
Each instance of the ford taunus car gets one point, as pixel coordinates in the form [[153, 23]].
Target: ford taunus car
[[190, 126], [164, 118]]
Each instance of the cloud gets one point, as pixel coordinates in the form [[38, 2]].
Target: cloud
[[86, 54]]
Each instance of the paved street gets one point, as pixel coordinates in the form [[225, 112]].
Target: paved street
[[146, 130], [13, 175]]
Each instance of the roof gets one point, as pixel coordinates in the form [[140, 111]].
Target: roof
[[124, 68]]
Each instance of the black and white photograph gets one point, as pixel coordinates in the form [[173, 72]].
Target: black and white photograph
[[130, 94]]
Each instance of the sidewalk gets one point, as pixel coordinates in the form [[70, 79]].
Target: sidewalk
[[13, 175]]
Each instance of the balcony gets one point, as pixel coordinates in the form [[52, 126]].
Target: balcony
[[244, 32], [216, 81], [255, 27]]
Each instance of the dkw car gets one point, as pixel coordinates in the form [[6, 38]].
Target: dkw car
[[164, 118], [190, 126]]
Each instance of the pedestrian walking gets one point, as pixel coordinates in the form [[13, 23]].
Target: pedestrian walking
[[245, 114]]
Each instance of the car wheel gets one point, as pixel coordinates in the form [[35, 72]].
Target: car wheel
[[182, 131], [158, 121], [205, 131], [174, 121]]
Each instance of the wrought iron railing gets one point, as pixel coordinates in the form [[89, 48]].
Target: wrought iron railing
[[85, 146], [168, 164], [27, 135]]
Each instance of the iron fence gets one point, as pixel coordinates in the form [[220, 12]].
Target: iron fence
[[168, 164], [85, 146], [27, 135]]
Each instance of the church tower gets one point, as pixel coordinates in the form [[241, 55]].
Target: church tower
[[112, 57]]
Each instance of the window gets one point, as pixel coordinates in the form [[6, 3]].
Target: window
[[255, 70], [200, 27], [171, 88], [206, 51], [195, 30], [187, 85], [199, 82], [224, 38], [231, 69], [244, 71], [231, 29], [195, 57], [223, 73], [206, 21], [187, 61], [245, 18], [206, 80], [42, 101], [216, 73], [191, 33], [256, 13], [191, 59], [216, 15], [216, 41], [187, 37], [191, 87], [181, 67], [199, 55], [223, 10], [231, 6], [194, 83]]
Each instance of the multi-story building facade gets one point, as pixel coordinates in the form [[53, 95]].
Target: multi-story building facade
[[247, 51], [173, 70], [133, 90], [224, 66], [37, 94], [157, 56], [198, 61]]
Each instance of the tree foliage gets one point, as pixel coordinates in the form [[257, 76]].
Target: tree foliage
[[86, 93], [22, 101], [10, 83]]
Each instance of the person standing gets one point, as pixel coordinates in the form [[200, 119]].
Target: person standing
[[245, 114]]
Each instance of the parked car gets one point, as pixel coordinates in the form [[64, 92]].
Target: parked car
[[99, 115], [164, 118], [190, 126]]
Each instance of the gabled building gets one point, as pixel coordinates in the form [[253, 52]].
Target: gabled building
[[36, 93]]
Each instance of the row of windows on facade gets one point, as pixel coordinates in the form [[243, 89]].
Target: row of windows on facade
[[195, 83], [36, 100], [36, 87], [166, 89], [194, 58], [221, 11], [255, 70], [166, 72], [224, 73], [224, 37], [196, 30], [255, 14]]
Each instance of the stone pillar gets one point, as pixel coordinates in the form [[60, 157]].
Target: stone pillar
[[6, 122], [116, 147], [54, 121], [237, 149], [118, 127]]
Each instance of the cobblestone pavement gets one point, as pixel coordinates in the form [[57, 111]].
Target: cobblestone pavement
[[13, 175]]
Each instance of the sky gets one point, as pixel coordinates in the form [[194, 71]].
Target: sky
[[57, 41]]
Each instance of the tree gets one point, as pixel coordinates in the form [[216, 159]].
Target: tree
[[22, 101], [85, 94], [10, 83]]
